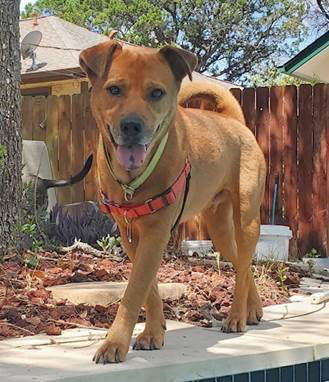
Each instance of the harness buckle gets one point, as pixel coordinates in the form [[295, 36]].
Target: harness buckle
[[148, 202], [128, 192]]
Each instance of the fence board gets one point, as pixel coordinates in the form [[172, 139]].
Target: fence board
[[27, 117], [64, 146], [91, 142], [305, 168], [78, 131], [276, 153], [52, 133], [262, 134], [290, 195], [249, 108], [39, 119], [237, 94], [320, 158]]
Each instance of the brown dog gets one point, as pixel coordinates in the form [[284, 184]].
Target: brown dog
[[134, 100]]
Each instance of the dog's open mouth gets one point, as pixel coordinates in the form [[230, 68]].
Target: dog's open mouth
[[131, 157]]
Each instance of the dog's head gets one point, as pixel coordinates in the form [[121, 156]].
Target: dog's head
[[134, 94]]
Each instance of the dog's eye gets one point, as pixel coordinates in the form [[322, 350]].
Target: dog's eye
[[156, 94], [114, 90]]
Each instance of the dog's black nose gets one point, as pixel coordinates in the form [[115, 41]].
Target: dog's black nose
[[131, 127]]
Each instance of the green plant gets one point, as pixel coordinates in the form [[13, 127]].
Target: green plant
[[2, 155], [218, 259], [310, 264], [32, 261], [108, 242], [30, 229], [281, 273], [89, 226], [312, 254]]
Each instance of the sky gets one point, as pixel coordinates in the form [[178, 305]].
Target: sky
[[24, 2]]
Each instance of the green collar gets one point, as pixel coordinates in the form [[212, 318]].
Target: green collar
[[130, 188]]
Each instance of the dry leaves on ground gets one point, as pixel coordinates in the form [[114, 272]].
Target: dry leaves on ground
[[27, 307]]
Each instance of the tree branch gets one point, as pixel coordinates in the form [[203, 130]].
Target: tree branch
[[321, 6]]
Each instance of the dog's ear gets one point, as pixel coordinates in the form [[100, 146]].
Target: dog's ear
[[96, 60], [181, 61]]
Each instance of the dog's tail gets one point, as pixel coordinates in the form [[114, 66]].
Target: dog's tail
[[49, 183], [205, 93]]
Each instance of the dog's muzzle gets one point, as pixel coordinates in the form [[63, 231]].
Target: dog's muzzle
[[132, 138]]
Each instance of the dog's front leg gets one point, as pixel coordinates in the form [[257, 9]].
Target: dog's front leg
[[147, 261], [152, 337]]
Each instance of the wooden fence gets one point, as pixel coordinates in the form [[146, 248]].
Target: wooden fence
[[66, 125], [291, 125]]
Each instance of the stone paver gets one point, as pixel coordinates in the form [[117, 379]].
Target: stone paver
[[104, 293]]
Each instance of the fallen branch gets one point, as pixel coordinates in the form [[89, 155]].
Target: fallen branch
[[62, 322], [17, 327], [86, 248]]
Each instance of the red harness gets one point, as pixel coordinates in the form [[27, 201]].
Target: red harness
[[150, 206]]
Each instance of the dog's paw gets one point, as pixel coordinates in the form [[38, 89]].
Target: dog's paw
[[234, 324], [111, 352], [148, 341], [255, 313]]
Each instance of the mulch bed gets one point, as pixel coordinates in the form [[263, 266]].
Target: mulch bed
[[27, 308]]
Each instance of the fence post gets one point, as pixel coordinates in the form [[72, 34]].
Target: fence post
[[320, 159]]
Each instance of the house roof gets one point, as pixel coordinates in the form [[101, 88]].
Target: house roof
[[58, 52], [312, 62], [204, 77]]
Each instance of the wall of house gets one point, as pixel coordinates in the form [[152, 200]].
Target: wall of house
[[57, 88]]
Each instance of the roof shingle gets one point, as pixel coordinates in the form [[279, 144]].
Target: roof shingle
[[61, 43]]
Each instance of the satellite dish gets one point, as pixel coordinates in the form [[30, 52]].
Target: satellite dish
[[28, 46]]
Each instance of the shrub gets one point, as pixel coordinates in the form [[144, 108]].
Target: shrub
[[88, 227], [40, 229]]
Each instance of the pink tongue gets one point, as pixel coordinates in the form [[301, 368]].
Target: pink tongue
[[131, 157]]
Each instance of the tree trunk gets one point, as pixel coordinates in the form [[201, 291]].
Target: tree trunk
[[10, 123]]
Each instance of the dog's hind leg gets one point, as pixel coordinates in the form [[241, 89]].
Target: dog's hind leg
[[236, 244], [247, 237]]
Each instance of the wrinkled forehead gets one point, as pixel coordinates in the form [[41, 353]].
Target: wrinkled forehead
[[137, 65]]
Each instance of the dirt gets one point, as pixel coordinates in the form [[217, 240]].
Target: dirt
[[27, 308]]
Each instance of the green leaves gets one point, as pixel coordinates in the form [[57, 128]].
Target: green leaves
[[2, 155], [31, 230], [31, 261], [108, 242], [233, 39]]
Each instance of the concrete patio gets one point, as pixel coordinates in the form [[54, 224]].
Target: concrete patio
[[290, 334]]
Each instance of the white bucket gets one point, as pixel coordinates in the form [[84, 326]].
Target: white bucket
[[273, 243], [36, 161], [201, 247]]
